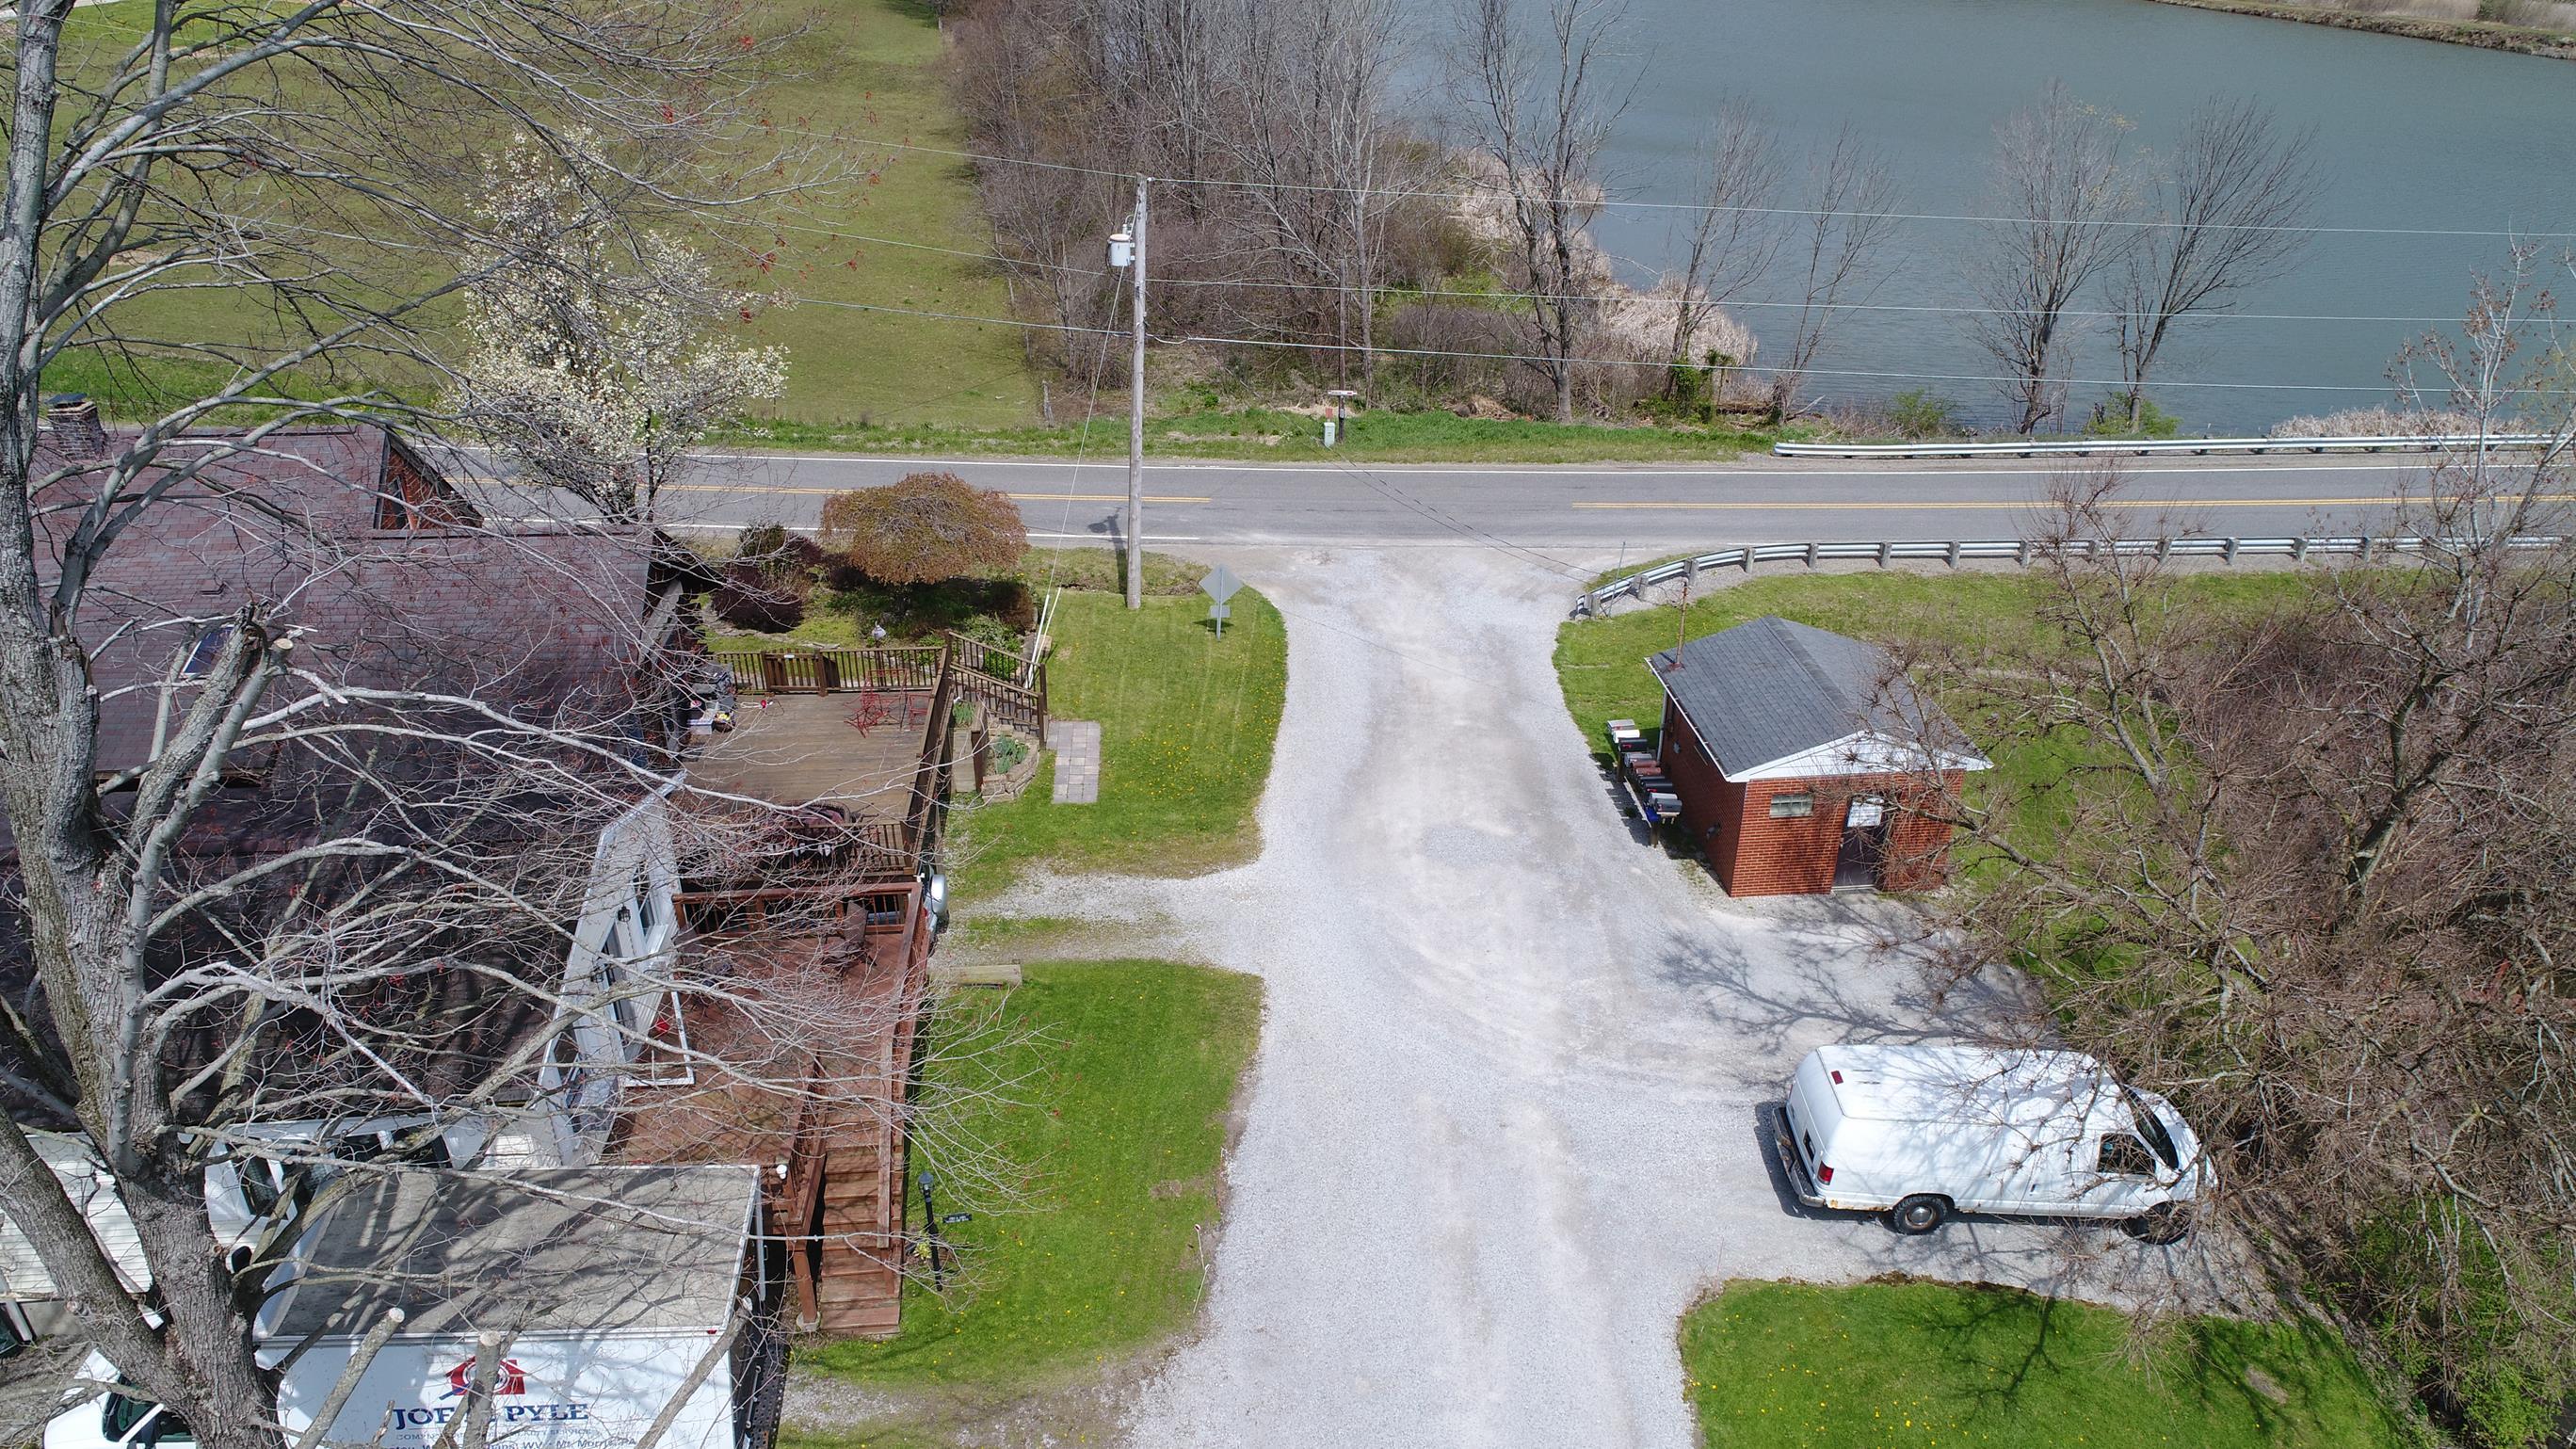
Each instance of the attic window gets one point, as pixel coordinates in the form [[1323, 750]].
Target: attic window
[[208, 648], [1793, 807]]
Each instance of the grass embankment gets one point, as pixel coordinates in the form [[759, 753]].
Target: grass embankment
[[844, 68], [1187, 720], [1125, 1073], [1601, 663], [1268, 435], [1929, 1364]]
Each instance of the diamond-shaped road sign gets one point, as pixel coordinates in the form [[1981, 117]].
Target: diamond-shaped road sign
[[1220, 584]]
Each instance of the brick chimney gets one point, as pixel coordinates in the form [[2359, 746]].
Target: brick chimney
[[71, 419]]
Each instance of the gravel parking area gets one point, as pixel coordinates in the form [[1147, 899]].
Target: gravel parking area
[[1507, 1117]]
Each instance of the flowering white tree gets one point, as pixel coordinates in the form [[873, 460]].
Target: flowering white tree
[[597, 356]]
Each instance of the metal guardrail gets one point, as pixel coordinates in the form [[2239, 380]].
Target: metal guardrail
[[2021, 550], [2089, 447]]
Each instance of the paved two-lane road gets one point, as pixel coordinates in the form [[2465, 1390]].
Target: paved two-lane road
[[1649, 509]]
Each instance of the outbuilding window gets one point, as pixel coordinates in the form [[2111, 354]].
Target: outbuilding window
[[1793, 807]]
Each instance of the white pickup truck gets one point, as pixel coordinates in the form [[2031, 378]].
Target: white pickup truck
[[1922, 1132], [611, 1293]]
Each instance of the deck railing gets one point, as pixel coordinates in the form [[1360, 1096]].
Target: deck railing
[[829, 670]]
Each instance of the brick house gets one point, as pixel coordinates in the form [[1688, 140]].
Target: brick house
[[1804, 762]]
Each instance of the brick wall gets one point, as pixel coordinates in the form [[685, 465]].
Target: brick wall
[[1782, 857], [1752, 854], [1707, 799]]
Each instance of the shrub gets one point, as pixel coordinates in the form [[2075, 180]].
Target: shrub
[[753, 597], [1917, 413], [2110, 419], [799, 554], [760, 540]]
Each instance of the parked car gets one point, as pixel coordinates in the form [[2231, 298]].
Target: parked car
[[1922, 1132]]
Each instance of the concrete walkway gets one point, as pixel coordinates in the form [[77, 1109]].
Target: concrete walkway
[[1077, 760], [1505, 1124]]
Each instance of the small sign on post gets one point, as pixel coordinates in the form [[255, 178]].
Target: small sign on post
[[1220, 585]]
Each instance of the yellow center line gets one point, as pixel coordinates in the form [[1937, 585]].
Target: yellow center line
[[1016, 497], [2032, 502]]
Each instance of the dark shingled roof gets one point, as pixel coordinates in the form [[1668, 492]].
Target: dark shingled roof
[[588, 1249], [1766, 690]]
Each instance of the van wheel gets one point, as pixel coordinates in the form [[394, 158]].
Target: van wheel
[[1919, 1214], [2164, 1224]]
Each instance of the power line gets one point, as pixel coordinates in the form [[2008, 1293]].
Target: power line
[[1621, 361], [1403, 193], [1400, 294]]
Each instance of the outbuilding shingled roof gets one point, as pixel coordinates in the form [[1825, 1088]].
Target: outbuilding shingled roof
[[1769, 690], [583, 1250]]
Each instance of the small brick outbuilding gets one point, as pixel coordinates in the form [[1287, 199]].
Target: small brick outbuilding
[[1805, 763]]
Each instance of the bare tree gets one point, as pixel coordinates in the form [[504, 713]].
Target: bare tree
[[2060, 182], [1731, 239], [1303, 128], [2303, 870], [1852, 196], [170, 990], [1538, 115], [2228, 211]]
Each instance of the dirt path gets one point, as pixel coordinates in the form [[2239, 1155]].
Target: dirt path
[[1505, 1121]]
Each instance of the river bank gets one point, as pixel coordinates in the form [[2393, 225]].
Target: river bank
[[2484, 34]]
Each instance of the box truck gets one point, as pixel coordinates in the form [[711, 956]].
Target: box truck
[[606, 1297], [1922, 1132]]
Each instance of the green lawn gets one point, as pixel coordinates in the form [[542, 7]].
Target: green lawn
[[1921, 1364], [1122, 1073], [1187, 722], [853, 68], [1268, 435], [870, 68]]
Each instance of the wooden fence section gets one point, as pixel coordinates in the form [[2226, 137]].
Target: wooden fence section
[[832, 670]]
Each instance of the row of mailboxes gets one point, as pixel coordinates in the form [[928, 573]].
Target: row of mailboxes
[[1642, 775]]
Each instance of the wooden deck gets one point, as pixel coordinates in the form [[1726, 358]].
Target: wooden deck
[[802, 749], [820, 1110]]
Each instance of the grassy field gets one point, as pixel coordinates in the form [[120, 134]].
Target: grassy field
[[1114, 1135], [1268, 435], [845, 68], [1187, 722], [1929, 1364], [869, 68]]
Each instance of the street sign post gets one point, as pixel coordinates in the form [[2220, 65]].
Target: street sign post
[[1220, 585]]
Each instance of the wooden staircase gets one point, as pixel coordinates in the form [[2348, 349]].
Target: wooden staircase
[[858, 1260], [993, 677], [841, 1202]]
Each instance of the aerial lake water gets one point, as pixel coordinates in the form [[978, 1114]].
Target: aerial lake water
[[2417, 142]]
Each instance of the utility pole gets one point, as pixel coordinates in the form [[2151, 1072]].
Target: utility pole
[[1136, 423]]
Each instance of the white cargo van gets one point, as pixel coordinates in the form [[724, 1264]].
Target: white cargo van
[[1921, 1132], [608, 1290]]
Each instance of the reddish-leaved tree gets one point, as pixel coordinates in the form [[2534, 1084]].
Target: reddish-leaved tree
[[924, 528]]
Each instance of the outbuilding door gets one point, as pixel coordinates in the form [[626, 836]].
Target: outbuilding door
[[1864, 845]]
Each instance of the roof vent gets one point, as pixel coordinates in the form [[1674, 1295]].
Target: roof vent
[[72, 420]]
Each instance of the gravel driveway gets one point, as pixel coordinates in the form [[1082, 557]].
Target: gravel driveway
[[1505, 1122]]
